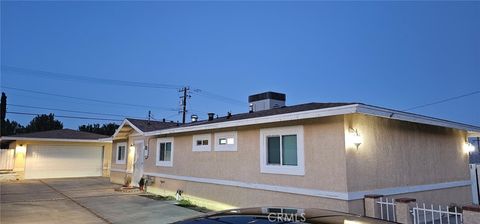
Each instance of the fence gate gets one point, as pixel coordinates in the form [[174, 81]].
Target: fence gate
[[431, 215], [387, 209], [7, 158]]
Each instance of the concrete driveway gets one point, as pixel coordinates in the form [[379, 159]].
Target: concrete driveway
[[81, 200]]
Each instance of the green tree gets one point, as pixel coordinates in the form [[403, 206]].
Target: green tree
[[43, 122], [12, 128], [105, 129]]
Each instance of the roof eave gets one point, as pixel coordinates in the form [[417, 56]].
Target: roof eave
[[416, 118], [126, 121], [7, 138], [332, 111], [473, 131]]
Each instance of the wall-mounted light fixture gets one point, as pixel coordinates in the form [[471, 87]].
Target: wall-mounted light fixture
[[21, 149], [145, 152], [468, 147], [355, 137]]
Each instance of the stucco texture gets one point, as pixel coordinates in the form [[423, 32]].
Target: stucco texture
[[324, 158]]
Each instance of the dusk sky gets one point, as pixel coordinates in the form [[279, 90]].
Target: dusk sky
[[391, 54]]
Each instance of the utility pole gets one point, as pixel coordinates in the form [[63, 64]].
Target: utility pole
[[184, 90], [149, 116], [478, 143]]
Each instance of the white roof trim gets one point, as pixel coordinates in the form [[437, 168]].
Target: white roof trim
[[416, 118], [55, 139], [262, 120], [126, 121], [332, 111]]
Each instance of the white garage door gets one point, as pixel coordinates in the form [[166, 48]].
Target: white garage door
[[63, 161]]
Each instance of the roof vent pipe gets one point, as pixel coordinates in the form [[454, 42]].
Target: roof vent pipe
[[210, 116], [194, 118]]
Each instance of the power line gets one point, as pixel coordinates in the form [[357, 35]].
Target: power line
[[64, 116], [72, 111], [214, 96], [87, 79], [442, 101], [88, 99], [95, 113]]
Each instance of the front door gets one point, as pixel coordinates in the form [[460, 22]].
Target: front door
[[138, 162]]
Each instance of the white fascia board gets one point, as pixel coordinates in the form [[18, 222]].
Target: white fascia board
[[126, 121], [348, 109], [52, 139], [109, 139], [416, 118], [473, 134]]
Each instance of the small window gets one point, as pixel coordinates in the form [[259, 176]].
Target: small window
[[201, 143], [226, 141], [121, 153], [164, 152], [281, 150]]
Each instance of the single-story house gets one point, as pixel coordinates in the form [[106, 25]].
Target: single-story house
[[60, 153], [323, 155]]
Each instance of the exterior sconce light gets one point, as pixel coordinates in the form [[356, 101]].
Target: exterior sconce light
[[469, 147], [21, 149], [355, 138], [145, 152]]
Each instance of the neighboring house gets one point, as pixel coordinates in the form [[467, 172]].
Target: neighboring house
[[60, 153], [323, 155]]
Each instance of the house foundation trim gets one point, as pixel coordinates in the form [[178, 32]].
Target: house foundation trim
[[119, 170], [346, 196]]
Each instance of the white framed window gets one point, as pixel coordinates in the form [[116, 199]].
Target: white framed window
[[282, 150], [202, 143], [226, 141], [120, 155], [165, 148]]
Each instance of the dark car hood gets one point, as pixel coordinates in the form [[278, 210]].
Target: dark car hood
[[281, 215]]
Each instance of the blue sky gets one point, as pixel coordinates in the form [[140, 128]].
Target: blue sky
[[391, 54]]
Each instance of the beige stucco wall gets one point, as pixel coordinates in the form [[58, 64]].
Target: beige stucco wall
[[396, 153], [21, 148], [393, 154], [324, 158], [223, 197]]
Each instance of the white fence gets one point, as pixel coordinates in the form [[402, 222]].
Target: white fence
[[432, 215], [7, 159], [387, 209]]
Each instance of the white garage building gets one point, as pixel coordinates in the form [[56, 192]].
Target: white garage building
[[60, 154]]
